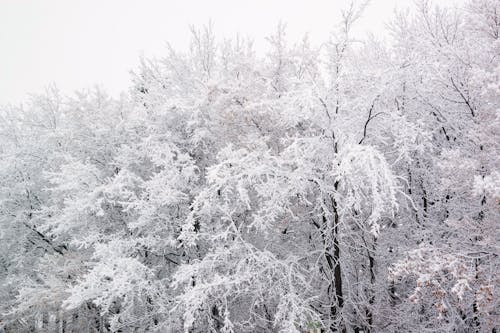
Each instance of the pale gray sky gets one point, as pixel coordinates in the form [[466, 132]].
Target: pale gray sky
[[79, 43]]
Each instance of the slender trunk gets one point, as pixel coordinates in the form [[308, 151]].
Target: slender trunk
[[333, 260], [371, 299]]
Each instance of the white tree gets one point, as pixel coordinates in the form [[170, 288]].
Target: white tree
[[346, 187]]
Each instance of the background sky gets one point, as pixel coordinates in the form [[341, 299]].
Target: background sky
[[79, 43]]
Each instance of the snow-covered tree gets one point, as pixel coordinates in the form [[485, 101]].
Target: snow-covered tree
[[345, 187]]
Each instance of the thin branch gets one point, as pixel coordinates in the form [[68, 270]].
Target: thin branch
[[370, 117]]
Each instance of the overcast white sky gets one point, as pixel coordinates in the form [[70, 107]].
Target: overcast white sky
[[79, 43]]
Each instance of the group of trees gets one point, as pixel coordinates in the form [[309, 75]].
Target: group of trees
[[352, 187]]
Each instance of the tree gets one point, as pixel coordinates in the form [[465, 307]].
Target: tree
[[346, 187]]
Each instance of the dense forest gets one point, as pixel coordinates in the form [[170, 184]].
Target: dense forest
[[351, 186]]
